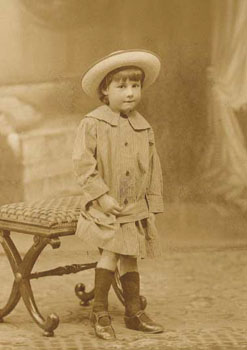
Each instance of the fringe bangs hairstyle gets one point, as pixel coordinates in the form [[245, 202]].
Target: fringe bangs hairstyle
[[120, 74]]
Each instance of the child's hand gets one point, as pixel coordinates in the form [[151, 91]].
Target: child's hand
[[109, 205]]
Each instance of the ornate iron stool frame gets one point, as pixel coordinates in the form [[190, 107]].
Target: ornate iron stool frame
[[22, 269]]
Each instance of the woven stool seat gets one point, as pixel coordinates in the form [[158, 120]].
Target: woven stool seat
[[58, 215]]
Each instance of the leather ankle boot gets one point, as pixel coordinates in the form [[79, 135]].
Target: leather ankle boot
[[101, 321], [135, 318]]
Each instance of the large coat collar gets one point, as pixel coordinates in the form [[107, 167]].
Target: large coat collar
[[106, 114]]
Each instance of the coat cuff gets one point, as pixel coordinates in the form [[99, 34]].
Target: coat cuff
[[155, 203], [93, 191]]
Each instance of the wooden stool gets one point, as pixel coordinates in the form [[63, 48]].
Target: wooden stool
[[48, 221]]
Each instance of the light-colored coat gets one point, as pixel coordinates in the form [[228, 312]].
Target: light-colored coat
[[117, 155]]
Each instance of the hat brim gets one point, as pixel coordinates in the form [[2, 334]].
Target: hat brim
[[146, 60]]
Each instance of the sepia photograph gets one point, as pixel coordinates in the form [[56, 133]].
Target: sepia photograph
[[123, 174]]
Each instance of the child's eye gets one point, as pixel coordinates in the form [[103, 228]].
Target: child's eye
[[121, 86], [136, 85]]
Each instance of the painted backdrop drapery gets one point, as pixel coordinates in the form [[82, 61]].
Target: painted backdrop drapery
[[225, 161]]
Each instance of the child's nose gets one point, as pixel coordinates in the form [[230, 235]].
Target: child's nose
[[129, 91]]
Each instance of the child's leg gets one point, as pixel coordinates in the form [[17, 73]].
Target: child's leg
[[104, 274], [135, 317], [130, 282], [108, 260], [127, 264]]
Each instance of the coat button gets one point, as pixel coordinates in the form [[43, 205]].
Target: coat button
[[126, 143], [126, 201], [127, 173]]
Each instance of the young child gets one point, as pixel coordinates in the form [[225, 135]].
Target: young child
[[117, 165]]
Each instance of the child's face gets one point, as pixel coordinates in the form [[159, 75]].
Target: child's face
[[123, 95]]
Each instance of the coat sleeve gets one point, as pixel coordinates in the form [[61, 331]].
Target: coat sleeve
[[155, 184], [85, 163]]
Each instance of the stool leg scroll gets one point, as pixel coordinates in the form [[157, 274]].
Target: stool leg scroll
[[48, 324], [15, 260], [85, 297], [52, 321], [21, 288]]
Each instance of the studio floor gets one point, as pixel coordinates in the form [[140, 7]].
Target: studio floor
[[198, 292]]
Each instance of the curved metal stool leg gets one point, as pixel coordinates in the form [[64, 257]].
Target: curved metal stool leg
[[84, 296], [80, 289], [15, 260], [52, 321], [48, 324], [21, 287], [12, 301]]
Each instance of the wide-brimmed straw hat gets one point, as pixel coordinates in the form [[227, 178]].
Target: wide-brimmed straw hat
[[148, 61]]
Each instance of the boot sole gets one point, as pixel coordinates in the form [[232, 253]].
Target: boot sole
[[148, 332]]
